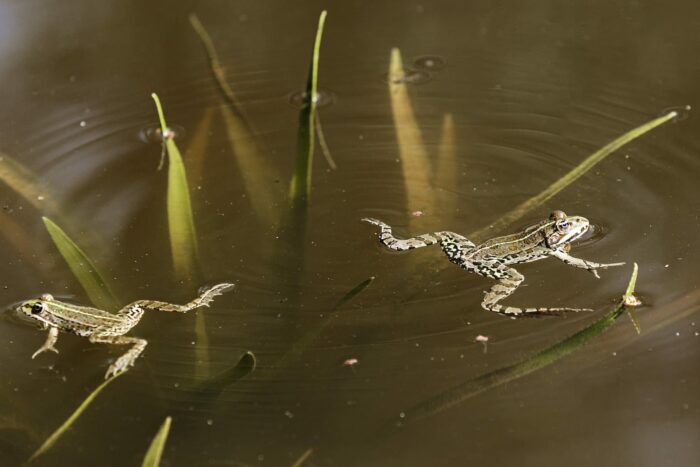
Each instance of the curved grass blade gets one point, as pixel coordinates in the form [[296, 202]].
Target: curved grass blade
[[155, 451], [573, 175], [300, 186], [61, 430], [214, 386], [415, 162], [325, 150], [183, 238], [82, 267], [462, 392]]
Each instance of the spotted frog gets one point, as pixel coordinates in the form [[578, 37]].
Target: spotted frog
[[104, 327], [492, 259]]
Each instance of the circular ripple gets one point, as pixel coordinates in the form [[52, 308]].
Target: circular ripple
[[323, 98]]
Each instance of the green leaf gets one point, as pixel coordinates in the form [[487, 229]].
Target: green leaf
[[82, 267], [56, 435], [300, 187], [183, 238], [573, 175], [462, 392], [155, 451]]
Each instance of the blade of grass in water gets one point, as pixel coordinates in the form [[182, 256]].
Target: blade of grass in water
[[446, 173], [24, 182], [196, 151], [183, 239], [305, 455], [415, 163], [325, 150], [56, 435], [315, 330], [300, 186], [572, 176], [462, 392], [214, 386], [82, 267], [155, 451]]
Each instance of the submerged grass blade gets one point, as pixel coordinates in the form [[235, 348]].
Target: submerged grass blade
[[217, 384], [257, 174], [82, 267], [573, 175], [300, 186], [196, 151], [61, 430], [305, 455], [460, 393], [155, 451], [446, 175], [415, 163], [315, 330], [325, 150], [183, 238], [24, 182]]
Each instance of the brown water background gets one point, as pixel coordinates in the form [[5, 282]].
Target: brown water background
[[533, 87]]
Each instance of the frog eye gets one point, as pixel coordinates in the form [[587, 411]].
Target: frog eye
[[563, 225], [37, 308]]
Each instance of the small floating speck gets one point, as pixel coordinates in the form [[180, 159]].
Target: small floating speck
[[417, 213], [430, 63], [351, 362], [288, 414], [83, 124], [210, 422], [483, 340]]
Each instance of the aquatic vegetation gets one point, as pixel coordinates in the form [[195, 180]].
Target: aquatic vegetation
[[25, 183], [462, 392], [61, 430], [183, 238], [574, 174], [415, 163], [300, 186], [214, 386], [446, 175], [83, 268], [155, 450]]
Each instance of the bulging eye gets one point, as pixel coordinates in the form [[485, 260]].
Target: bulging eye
[[37, 308], [563, 225]]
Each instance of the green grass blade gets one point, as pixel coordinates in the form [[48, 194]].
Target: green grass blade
[[447, 174], [214, 386], [183, 238], [24, 182], [82, 267], [300, 186], [573, 175], [415, 163], [56, 435], [155, 451], [304, 456], [462, 392]]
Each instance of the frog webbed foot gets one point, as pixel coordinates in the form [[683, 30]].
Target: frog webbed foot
[[43, 349], [51, 339]]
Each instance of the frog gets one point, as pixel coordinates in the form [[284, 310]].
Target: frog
[[551, 237], [103, 327]]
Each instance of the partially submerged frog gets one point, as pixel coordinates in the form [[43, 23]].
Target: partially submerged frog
[[550, 237], [102, 326]]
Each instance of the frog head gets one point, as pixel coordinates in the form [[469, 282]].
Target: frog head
[[564, 229], [37, 308]]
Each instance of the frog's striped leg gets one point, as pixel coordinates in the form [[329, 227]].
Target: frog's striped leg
[[51, 339], [134, 310], [582, 263], [386, 237], [125, 361], [508, 280]]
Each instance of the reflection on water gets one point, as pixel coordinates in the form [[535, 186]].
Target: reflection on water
[[531, 90]]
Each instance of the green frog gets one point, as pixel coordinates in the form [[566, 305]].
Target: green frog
[[104, 327], [492, 259]]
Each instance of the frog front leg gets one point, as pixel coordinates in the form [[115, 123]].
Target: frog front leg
[[51, 339], [582, 263], [508, 281], [125, 361]]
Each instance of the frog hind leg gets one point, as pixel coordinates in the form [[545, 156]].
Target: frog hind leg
[[131, 311], [508, 281], [128, 358], [387, 238], [51, 339]]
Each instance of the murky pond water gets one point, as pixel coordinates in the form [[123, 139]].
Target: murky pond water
[[531, 90]]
